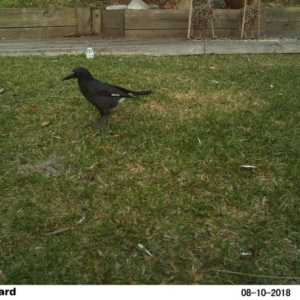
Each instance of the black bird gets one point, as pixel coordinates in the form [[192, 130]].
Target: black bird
[[102, 95]]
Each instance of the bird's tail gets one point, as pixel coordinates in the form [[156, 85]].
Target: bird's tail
[[141, 92]]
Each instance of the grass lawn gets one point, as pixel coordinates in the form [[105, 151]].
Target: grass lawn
[[158, 195]]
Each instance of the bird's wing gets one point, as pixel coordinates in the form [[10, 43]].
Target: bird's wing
[[107, 90]]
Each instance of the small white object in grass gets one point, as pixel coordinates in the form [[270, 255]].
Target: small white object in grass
[[143, 248], [246, 254], [247, 166], [271, 85], [1, 90], [215, 81], [81, 220], [89, 53], [121, 100], [199, 141], [213, 68]]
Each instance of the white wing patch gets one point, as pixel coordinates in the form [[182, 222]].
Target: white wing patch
[[121, 100], [115, 95]]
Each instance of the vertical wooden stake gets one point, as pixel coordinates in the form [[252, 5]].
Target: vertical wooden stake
[[243, 22], [258, 23], [190, 20], [212, 27]]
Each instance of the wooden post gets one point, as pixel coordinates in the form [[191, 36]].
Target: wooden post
[[96, 20], [243, 22], [190, 20], [258, 22], [212, 26], [84, 24]]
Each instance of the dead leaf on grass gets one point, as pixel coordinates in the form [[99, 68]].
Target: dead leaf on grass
[[265, 170], [106, 147], [3, 276], [245, 128], [95, 217], [198, 279], [49, 170], [280, 123], [33, 106], [174, 267], [137, 168]]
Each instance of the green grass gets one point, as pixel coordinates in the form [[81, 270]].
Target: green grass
[[164, 171]]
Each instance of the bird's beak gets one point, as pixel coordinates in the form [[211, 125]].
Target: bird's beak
[[70, 76]]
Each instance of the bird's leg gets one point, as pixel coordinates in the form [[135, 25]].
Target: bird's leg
[[99, 123]]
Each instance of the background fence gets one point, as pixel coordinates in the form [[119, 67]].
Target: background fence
[[76, 21]]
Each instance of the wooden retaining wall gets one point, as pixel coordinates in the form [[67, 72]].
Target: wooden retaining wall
[[225, 24], [145, 23], [54, 22], [275, 22], [44, 22], [283, 22]]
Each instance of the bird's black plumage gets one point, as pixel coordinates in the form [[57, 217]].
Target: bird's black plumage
[[102, 95]]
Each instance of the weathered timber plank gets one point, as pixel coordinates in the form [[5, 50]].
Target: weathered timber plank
[[283, 26], [285, 34], [84, 20], [155, 50], [110, 18], [219, 33], [282, 14], [111, 32], [138, 21], [143, 47], [37, 17], [227, 18], [96, 20], [225, 33], [156, 33], [112, 23], [37, 32], [251, 47], [156, 19]]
